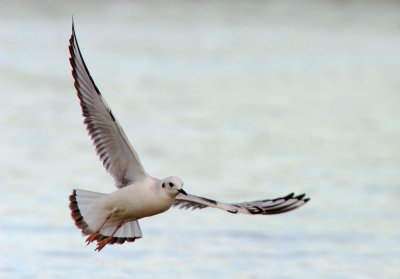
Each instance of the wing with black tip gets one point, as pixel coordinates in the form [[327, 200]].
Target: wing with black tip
[[112, 145], [263, 207]]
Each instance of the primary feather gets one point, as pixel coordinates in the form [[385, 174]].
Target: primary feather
[[111, 143], [264, 207]]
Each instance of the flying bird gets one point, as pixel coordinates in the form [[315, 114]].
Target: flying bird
[[113, 218]]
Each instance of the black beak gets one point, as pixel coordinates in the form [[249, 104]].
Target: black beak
[[182, 192]]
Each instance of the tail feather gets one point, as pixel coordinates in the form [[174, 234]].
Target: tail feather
[[88, 217], [80, 202], [129, 229], [129, 232]]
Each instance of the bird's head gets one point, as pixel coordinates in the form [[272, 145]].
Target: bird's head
[[172, 185]]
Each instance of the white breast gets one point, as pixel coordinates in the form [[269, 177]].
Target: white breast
[[136, 201]]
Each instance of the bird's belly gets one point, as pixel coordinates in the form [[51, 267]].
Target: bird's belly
[[141, 210], [129, 207]]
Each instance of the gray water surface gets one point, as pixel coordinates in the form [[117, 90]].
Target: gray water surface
[[242, 100]]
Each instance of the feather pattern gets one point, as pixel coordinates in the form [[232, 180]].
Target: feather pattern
[[81, 202], [264, 207], [111, 143]]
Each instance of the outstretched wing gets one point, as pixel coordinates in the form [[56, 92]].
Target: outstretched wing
[[112, 145], [264, 207]]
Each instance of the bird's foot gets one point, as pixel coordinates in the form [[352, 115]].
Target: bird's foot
[[92, 237], [102, 243]]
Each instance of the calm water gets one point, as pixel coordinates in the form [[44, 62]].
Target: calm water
[[242, 101]]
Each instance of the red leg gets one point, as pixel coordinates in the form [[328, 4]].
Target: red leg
[[104, 242], [92, 236]]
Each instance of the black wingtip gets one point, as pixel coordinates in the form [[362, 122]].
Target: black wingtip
[[289, 196], [73, 27], [71, 39], [300, 197]]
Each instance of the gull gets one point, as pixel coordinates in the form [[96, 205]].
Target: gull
[[113, 218]]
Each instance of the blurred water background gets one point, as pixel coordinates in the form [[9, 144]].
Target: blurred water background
[[242, 99]]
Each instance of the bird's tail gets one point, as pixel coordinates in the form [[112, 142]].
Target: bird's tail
[[90, 217]]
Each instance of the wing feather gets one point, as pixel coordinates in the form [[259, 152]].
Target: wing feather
[[111, 143], [263, 207]]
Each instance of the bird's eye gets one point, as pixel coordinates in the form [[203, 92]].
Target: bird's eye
[[171, 184], [163, 185]]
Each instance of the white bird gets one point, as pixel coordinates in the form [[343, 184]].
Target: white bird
[[113, 218]]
